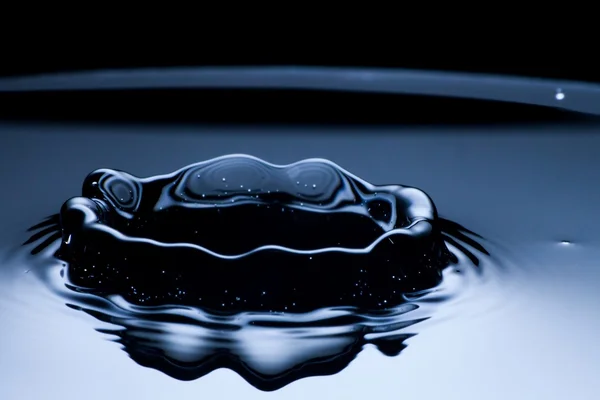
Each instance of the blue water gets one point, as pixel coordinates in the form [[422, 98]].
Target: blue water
[[524, 329]]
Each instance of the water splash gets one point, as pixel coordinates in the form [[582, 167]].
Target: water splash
[[196, 269]]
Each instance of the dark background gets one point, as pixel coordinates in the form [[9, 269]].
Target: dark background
[[549, 46], [59, 45]]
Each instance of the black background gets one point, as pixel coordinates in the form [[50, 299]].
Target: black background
[[549, 47], [53, 47]]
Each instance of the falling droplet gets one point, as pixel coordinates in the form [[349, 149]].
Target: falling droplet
[[559, 95]]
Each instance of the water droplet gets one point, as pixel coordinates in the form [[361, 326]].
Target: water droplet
[[559, 94], [226, 242]]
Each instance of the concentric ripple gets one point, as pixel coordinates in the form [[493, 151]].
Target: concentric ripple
[[200, 267]]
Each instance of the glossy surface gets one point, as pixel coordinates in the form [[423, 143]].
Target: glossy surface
[[527, 332], [525, 327], [226, 252], [238, 234]]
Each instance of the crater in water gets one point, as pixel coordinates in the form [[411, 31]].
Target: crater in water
[[276, 272]]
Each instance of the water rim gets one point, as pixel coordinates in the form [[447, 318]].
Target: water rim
[[574, 96]]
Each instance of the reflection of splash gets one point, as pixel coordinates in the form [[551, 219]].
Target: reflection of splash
[[327, 270], [268, 350]]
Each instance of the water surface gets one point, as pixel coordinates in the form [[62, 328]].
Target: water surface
[[526, 329]]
